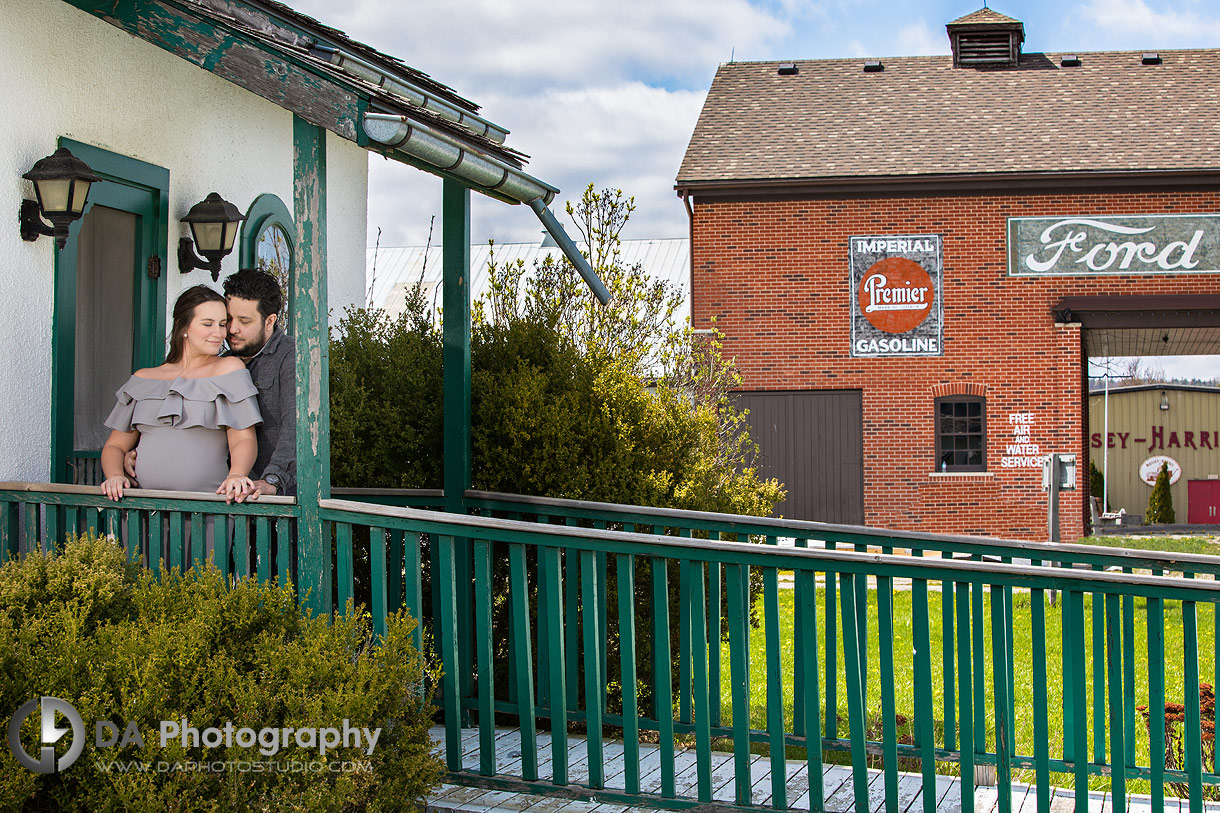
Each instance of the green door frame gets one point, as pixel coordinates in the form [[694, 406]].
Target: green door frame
[[131, 186]]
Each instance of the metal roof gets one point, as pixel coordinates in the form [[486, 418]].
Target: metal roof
[[390, 272]]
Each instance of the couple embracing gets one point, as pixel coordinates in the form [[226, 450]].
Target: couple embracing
[[207, 421]]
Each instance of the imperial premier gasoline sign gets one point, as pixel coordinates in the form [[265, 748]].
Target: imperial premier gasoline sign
[[896, 305]]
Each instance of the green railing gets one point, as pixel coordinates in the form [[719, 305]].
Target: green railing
[[163, 529], [612, 622], [566, 609]]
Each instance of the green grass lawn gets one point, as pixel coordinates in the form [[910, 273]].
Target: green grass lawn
[[1023, 661], [1165, 544]]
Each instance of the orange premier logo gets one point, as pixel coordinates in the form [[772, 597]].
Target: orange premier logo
[[896, 295]]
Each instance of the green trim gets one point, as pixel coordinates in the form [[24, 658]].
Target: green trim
[[266, 210], [288, 81], [455, 328], [132, 186], [309, 320]]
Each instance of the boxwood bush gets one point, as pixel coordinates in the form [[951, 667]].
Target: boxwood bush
[[87, 626]]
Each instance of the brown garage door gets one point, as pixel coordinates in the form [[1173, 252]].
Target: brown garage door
[[812, 441]]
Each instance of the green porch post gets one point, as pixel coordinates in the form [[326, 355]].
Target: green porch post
[[309, 323], [456, 329]]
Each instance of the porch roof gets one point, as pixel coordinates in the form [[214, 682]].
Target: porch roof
[[333, 81]]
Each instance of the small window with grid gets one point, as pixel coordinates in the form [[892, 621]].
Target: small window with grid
[[961, 433]]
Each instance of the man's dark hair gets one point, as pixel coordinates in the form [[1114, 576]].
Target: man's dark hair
[[257, 286]]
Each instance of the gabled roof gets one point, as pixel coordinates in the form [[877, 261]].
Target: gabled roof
[[920, 119]]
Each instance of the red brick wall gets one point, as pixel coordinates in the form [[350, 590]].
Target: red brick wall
[[774, 276]]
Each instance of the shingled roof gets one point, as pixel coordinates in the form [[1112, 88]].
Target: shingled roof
[[984, 15], [921, 119]]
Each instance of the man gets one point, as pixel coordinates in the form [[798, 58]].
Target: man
[[255, 302]]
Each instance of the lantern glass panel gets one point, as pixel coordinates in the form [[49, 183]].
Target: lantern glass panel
[[230, 235], [209, 236], [80, 191], [53, 194]]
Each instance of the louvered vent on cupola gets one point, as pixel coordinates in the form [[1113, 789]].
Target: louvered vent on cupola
[[986, 39]]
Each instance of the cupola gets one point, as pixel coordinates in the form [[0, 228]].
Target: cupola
[[986, 39]]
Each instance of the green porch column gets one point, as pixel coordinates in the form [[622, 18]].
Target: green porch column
[[456, 329], [309, 321]]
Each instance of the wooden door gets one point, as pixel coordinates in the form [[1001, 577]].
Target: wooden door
[[812, 441]]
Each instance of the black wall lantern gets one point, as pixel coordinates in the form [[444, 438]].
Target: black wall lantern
[[61, 182], [213, 223]]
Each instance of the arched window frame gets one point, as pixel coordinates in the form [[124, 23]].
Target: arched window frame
[[267, 211]]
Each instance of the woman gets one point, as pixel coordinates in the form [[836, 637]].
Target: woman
[[191, 419]]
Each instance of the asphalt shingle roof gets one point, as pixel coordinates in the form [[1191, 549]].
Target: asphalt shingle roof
[[921, 116]]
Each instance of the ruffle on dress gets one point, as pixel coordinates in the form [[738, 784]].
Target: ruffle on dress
[[228, 400]]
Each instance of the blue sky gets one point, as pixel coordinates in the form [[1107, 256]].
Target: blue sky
[[608, 91]]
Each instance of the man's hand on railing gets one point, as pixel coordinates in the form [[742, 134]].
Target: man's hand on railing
[[113, 487], [261, 487], [236, 487]]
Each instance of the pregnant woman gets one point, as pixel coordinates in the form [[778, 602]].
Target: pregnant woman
[[191, 419]]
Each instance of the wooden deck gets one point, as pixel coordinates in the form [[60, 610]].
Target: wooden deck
[[837, 784]]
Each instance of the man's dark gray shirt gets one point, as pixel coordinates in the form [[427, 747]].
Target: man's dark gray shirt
[[274, 371]]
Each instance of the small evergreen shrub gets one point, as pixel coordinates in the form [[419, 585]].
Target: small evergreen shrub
[[1160, 502], [89, 627], [1097, 485]]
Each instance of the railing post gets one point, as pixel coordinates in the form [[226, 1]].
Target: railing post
[[806, 602], [1192, 731], [519, 598], [447, 644], [309, 320], [1118, 731], [965, 696], [855, 694], [738, 577], [627, 655]]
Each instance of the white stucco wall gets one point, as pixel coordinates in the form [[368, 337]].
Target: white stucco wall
[[70, 74]]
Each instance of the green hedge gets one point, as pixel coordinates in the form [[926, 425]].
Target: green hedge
[[90, 628]]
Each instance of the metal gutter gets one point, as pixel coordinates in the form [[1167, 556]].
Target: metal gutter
[[410, 92], [483, 172]]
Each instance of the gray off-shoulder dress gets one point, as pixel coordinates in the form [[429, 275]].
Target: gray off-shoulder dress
[[182, 421]]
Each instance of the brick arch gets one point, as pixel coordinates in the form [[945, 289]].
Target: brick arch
[[959, 388]]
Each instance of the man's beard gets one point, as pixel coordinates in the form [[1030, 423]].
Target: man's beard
[[252, 348]]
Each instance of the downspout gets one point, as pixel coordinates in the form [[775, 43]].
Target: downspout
[[484, 173], [555, 229], [690, 248]]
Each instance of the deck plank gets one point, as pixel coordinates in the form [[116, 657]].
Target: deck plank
[[836, 781]]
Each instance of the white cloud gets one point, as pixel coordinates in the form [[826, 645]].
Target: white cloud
[[1131, 24], [918, 39], [595, 92], [491, 45]]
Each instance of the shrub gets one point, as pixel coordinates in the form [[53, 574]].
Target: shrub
[[90, 628], [1097, 485], [1160, 501]]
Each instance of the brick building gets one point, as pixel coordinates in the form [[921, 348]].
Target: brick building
[[913, 258]]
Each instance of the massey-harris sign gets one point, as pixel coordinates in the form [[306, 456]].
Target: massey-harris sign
[[1103, 244], [896, 307]]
